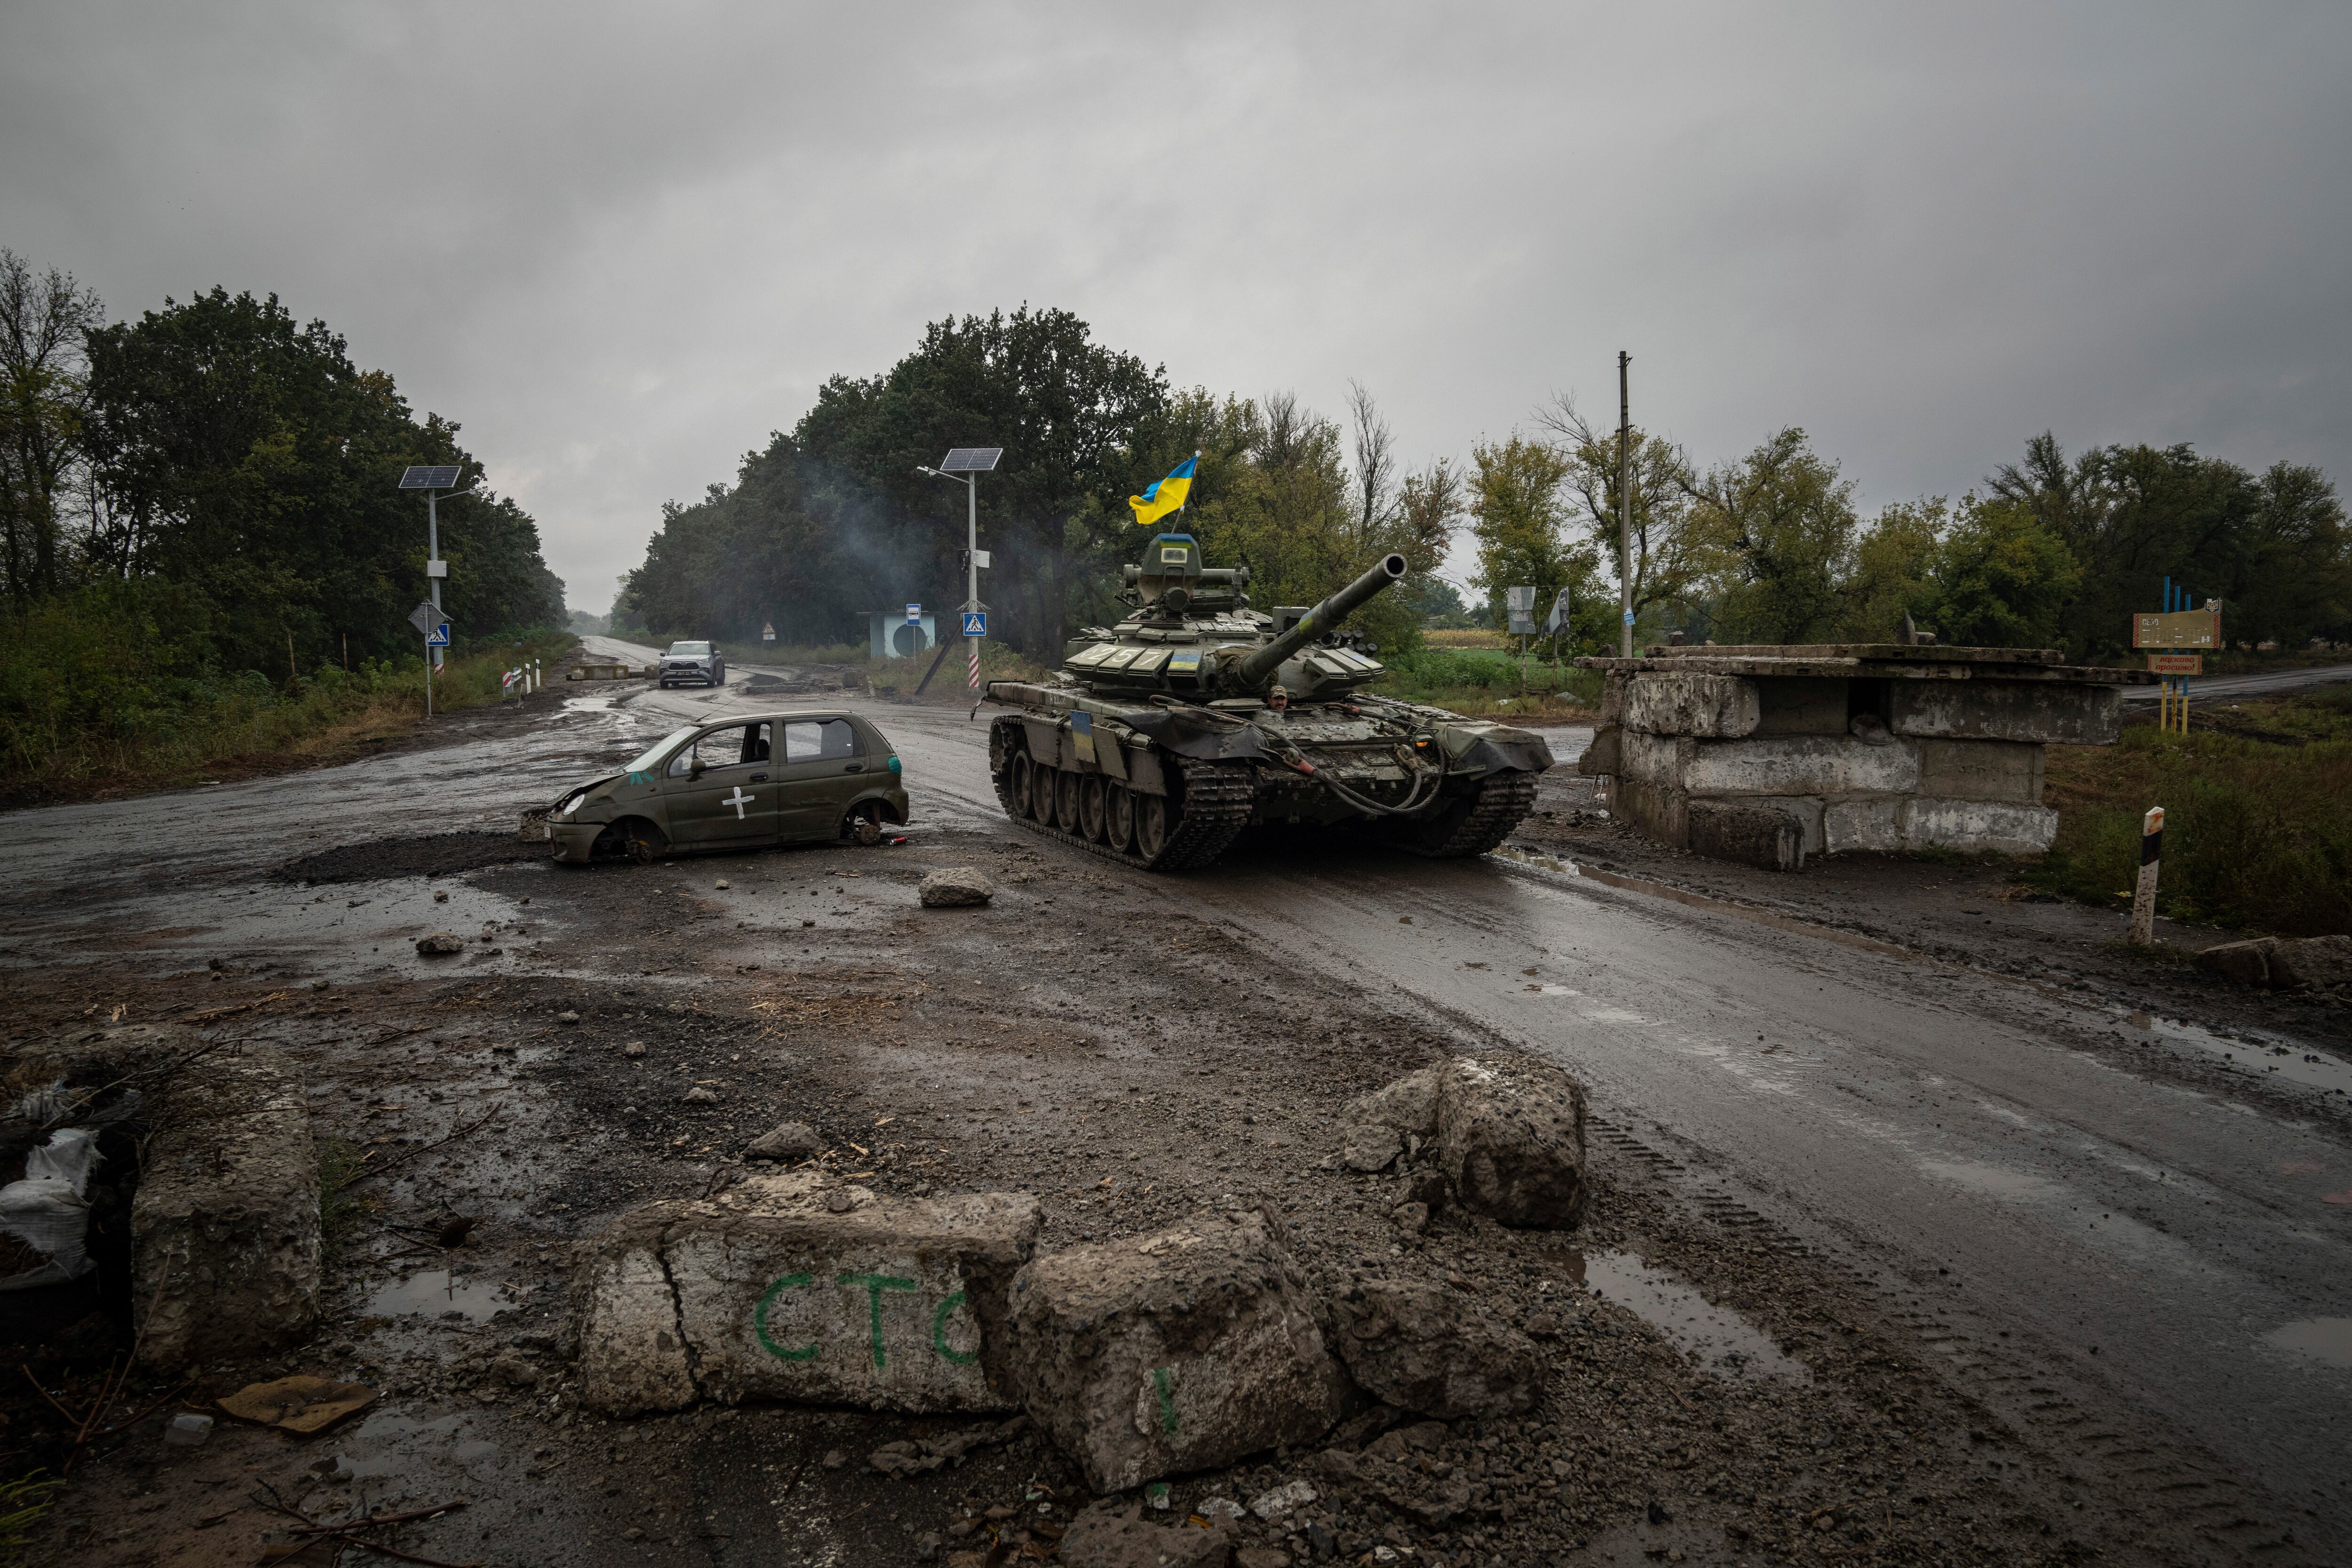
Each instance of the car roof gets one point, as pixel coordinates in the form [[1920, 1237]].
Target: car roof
[[723, 720]]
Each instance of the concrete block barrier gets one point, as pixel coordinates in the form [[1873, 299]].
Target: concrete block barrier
[[791, 1287], [1182, 1349]]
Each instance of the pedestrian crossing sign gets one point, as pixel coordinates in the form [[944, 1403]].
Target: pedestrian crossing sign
[[975, 622]]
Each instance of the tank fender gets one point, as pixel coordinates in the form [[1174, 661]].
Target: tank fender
[[1111, 752], [1144, 773], [1042, 735], [1188, 732]]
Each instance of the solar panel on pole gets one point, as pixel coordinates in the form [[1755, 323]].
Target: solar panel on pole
[[429, 476], [972, 460]]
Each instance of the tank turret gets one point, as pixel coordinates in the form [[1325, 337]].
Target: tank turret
[[1156, 743]]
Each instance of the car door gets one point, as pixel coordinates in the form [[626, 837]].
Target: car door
[[721, 790], [825, 766]]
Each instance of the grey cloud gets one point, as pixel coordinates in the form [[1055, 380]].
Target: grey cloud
[[623, 244]]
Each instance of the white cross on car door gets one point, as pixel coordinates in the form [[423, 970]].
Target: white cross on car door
[[720, 788]]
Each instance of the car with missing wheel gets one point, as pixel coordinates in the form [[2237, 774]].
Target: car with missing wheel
[[746, 781], [697, 663]]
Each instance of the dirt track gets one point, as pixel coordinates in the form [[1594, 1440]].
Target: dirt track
[[1129, 1048]]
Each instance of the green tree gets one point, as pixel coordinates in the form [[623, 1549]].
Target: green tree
[[1671, 558], [1998, 580], [1782, 523], [1890, 576], [1065, 409], [1519, 517], [236, 454]]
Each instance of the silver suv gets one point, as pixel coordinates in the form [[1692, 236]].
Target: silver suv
[[696, 662]]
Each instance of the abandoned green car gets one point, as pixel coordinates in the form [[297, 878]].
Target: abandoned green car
[[743, 782]]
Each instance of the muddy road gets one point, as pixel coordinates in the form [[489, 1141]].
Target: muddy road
[[2041, 1249]]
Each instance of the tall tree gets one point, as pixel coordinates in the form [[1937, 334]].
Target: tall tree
[[1785, 521], [238, 454], [45, 321], [1669, 556], [1065, 410], [1519, 515]]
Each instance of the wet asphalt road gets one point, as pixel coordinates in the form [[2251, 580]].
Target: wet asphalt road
[[2265, 684], [2091, 1240]]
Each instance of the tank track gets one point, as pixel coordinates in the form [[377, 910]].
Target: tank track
[[1218, 799], [1504, 800]]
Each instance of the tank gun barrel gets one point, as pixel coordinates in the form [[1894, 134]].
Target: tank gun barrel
[[1385, 573]]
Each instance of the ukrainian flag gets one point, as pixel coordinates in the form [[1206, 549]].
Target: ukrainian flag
[[1167, 495]]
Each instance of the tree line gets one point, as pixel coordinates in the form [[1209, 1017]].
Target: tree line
[[1771, 548], [217, 484], [833, 520]]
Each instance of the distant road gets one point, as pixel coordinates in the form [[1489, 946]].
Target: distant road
[[2206, 688]]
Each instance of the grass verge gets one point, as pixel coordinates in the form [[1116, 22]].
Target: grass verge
[[179, 732], [2258, 816], [1482, 683]]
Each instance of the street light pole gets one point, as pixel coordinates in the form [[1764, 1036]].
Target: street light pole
[[967, 464], [1624, 508]]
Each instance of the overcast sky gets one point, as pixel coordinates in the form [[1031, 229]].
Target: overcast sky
[[621, 244]]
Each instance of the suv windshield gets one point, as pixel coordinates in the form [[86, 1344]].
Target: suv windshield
[[694, 649]]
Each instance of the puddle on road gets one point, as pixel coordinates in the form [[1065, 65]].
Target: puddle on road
[[436, 1291], [2263, 1056], [2327, 1341], [1726, 1344]]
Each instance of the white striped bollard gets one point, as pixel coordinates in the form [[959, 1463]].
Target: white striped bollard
[[2151, 851]]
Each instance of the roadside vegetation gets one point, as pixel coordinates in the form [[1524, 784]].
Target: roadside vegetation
[[205, 558], [114, 688], [2258, 816]]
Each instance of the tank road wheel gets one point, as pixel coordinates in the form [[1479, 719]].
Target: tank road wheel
[[1065, 799], [1473, 823], [1041, 793], [1150, 825], [1022, 772], [1119, 811], [1092, 808]]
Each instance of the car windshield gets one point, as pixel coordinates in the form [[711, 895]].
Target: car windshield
[[697, 649], [645, 760]]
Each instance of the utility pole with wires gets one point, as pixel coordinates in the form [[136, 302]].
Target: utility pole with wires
[[1625, 505]]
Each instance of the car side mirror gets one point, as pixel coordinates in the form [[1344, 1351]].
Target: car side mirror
[[694, 771]]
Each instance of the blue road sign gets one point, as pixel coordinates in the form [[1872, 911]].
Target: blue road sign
[[975, 622], [438, 637], [914, 614]]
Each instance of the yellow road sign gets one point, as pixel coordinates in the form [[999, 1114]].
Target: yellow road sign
[[2181, 628]]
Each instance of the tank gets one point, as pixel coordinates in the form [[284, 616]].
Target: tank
[[1160, 739]]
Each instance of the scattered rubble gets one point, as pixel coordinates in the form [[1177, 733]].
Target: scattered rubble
[[2318, 964], [1426, 1348], [955, 887], [920, 1456], [1175, 1350], [440, 943], [1114, 1534], [786, 1143]]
